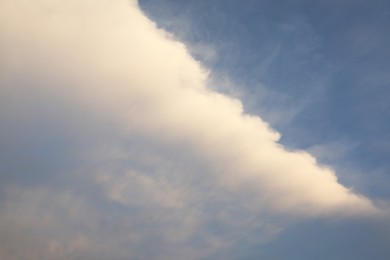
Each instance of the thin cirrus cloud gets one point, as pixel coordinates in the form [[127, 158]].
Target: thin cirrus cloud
[[110, 128]]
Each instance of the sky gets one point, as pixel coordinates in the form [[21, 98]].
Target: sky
[[194, 129]]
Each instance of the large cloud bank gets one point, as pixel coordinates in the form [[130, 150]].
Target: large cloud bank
[[113, 146]]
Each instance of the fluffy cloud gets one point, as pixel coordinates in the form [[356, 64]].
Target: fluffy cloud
[[112, 134]]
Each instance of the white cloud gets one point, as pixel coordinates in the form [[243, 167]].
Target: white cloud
[[99, 101]]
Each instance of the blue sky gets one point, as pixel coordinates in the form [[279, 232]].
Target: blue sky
[[194, 130], [323, 64]]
